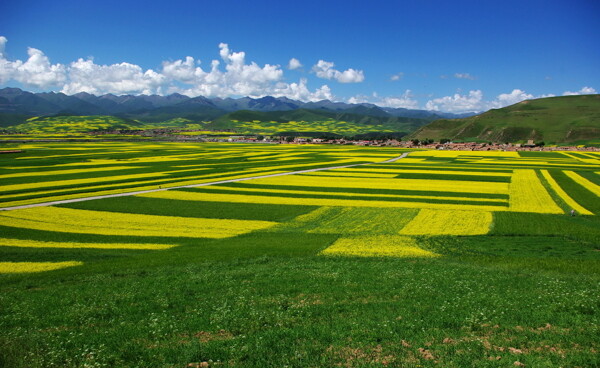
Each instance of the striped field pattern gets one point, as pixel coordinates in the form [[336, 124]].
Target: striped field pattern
[[379, 209]]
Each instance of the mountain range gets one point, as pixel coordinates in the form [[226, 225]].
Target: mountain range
[[17, 105]]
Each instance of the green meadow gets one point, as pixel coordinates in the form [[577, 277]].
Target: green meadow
[[447, 259]]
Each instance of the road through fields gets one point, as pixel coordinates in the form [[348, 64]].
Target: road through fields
[[193, 185]]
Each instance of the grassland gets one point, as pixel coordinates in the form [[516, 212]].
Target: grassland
[[446, 259], [565, 119], [74, 124]]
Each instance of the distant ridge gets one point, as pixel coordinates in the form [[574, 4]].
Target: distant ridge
[[565, 119], [16, 106]]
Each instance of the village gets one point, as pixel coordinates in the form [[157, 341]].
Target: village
[[443, 144]]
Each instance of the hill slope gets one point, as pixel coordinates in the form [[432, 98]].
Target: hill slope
[[308, 120], [552, 120], [74, 124]]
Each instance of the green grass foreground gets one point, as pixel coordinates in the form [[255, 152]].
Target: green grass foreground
[[266, 299], [525, 294]]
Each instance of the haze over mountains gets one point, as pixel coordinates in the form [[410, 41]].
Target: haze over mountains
[[17, 105]]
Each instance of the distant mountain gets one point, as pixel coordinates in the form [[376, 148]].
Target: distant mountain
[[552, 120], [176, 110], [71, 104], [398, 124], [75, 124], [425, 114], [35, 104]]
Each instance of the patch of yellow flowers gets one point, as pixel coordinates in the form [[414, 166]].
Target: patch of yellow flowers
[[449, 222], [377, 246], [23, 243], [26, 267], [583, 182], [527, 194], [114, 223], [563, 195]]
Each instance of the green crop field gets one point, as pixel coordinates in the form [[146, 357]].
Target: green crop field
[[440, 258]]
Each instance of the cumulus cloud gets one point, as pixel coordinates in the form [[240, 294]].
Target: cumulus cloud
[[123, 78], [238, 78], [506, 99], [464, 76], [405, 100], [294, 64], [229, 76], [457, 102], [36, 71], [324, 69], [6, 67], [300, 91], [583, 91], [397, 77], [473, 101]]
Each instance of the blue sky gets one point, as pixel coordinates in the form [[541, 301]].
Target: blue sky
[[451, 56]]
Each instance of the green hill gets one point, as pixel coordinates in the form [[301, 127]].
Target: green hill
[[308, 120], [74, 124], [566, 119]]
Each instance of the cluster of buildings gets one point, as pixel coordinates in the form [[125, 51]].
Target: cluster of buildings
[[179, 135]]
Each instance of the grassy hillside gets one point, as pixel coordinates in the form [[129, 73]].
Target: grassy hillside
[[307, 120], [552, 120], [74, 124], [242, 122]]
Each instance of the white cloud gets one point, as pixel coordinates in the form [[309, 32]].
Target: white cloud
[[229, 76], [583, 91], [464, 76], [123, 78], [6, 67], [299, 91], [183, 71], [294, 64], [473, 101], [324, 69], [506, 99], [36, 71], [397, 77], [238, 78], [3, 42], [406, 100], [457, 103]]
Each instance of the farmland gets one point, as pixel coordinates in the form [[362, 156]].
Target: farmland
[[441, 258]]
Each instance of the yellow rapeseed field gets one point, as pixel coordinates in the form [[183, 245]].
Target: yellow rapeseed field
[[449, 222], [114, 223], [527, 194], [27, 267], [361, 174], [65, 172], [400, 170], [583, 182], [267, 199], [24, 243], [44, 184], [377, 246], [563, 195], [458, 186], [442, 153], [350, 220], [350, 195]]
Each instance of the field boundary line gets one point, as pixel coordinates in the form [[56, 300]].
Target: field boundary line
[[83, 199]]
